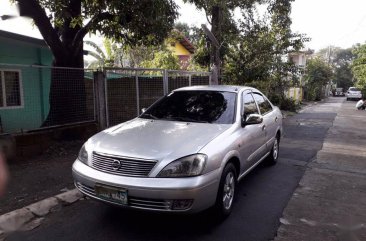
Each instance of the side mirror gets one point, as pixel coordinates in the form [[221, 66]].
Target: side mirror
[[143, 110], [252, 119]]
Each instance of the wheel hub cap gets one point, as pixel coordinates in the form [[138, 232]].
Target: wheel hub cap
[[228, 193], [275, 149]]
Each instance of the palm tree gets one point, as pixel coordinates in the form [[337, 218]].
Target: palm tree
[[111, 56]]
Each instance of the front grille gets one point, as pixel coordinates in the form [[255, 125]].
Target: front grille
[[134, 202], [122, 166]]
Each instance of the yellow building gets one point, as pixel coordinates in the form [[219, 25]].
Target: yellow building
[[182, 48]]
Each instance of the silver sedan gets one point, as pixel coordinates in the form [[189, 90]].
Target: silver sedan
[[185, 153]]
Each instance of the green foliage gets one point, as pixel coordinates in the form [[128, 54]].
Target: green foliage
[[343, 76], [136, 55], [359, 66], [253, 48], [340, 60], [250, 58], [163, 59], [256, 57], [133, 21], [223, 26], [64, 23], [104, 58], [318, 74], [284, 103], [183, 28]]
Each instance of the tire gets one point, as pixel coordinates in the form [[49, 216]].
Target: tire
[[226, 192], [273, 156], [347, 99]]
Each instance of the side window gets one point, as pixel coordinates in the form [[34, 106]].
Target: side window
[[249, 105], [10, 88], [263, 104]]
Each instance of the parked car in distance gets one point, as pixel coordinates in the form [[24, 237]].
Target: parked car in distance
[[354, 93], [185, 153], [338, 92]]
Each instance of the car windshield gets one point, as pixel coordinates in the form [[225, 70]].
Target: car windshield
[[195, 106], [353, 89]]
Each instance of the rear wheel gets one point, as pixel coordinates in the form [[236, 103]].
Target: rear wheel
[[273, 156], [226, 192]]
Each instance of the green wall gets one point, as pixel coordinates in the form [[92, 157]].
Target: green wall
[[35, 81]]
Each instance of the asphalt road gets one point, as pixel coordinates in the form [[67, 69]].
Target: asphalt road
[[261, 198]]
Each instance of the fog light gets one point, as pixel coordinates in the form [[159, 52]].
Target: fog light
[[182, 204]]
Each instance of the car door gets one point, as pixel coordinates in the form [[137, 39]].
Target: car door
[[251, 136], [269, 120]]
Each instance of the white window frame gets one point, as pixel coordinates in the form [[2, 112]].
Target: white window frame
[[5, 107]]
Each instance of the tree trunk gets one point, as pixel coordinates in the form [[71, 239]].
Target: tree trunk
[[216, 31], [67, 96]]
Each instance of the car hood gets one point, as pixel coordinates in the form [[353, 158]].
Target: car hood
[[156, 139]]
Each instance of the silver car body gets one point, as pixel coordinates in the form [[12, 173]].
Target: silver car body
[[160, 142], [353, 93]]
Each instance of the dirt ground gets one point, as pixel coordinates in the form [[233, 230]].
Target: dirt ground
[[40, 177]]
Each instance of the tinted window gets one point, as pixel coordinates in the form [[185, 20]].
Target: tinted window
[[263, 104], [195, 106], [249, 105]]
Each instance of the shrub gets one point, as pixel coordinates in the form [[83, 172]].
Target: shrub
[[284, 103]]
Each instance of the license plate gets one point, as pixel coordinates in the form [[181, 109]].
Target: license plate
[[112, 193]]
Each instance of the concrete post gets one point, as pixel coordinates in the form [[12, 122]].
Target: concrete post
[[101, 99], [165, 81]]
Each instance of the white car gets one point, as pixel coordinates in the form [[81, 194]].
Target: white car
[[353, 93], [185, 153]]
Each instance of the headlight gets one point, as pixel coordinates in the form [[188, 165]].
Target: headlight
[[188, 166], [83, 155]]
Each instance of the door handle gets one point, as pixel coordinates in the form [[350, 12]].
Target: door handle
[[276, 119], [263, 127]]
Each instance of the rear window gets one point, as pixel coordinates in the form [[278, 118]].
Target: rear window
[[354, 89]]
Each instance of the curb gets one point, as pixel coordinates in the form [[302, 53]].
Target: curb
[[31, 216]]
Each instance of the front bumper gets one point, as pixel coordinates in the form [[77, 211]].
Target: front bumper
[[156, 194]]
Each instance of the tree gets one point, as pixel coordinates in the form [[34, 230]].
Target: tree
[[250, 58], [63, 25], [340, 61], [318, 74], [111, 56], [184, 29], [257, 55], [359, 67], [220, 15], [201, 58], [163, 59]]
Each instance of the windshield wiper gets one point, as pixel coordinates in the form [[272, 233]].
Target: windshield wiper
[[187, 119], [149, 116]]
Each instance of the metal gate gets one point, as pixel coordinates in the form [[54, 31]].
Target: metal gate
[[128, 90]]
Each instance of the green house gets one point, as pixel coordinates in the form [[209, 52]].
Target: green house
[[24, 89]]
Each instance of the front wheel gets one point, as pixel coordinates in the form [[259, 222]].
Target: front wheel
[[226, 192], [273, 156]]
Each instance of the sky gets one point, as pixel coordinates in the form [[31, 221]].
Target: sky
[[327, 22]]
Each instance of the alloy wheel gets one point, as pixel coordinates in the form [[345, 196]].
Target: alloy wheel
[[229, 189]]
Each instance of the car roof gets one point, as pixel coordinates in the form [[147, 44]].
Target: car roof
[[228, 88]]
